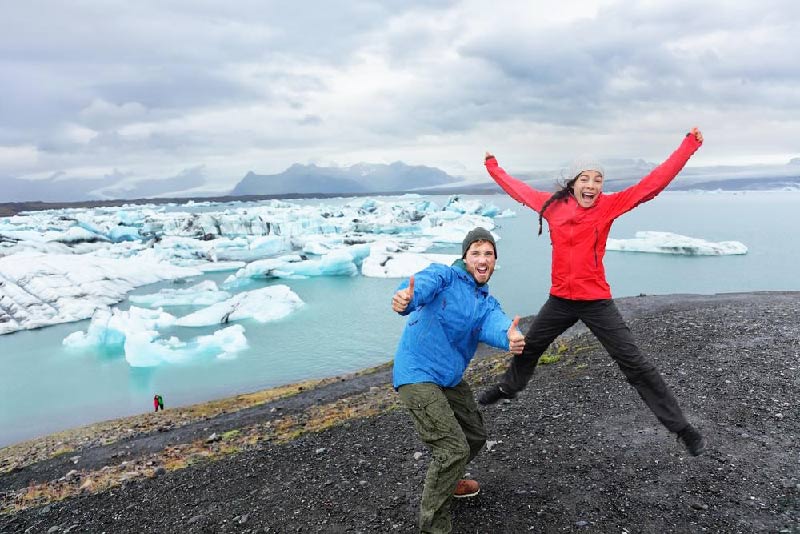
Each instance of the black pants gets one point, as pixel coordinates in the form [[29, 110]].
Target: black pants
[[604, 320]]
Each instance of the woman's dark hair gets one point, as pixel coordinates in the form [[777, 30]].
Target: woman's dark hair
[[561, 194]]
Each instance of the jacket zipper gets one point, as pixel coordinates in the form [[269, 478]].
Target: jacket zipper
[[596, 239], [571, 247]]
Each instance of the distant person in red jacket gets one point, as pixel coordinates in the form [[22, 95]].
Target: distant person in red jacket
[[579, 216], [158, 402]]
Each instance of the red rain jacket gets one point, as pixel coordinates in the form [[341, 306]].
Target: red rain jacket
[[578, 234]]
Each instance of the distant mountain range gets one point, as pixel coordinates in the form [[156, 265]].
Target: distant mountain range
[[399, 177], [113, 186], [46, 190], [365, 178], [360, 178]]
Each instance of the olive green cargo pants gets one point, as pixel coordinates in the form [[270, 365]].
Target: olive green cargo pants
[[448, 421]]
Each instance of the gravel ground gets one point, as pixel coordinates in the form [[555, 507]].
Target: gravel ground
[[576, 452]]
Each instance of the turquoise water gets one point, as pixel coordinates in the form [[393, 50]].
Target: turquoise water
[[347, 323]]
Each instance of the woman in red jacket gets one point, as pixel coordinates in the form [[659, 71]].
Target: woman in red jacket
[[580, 217]]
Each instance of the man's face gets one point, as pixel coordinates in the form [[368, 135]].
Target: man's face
[[480, 261], [587, 188]]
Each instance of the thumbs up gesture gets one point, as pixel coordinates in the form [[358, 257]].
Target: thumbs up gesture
[[403, 297], [516, 341]]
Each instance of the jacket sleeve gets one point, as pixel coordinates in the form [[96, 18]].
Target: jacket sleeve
[[655, 182], [494, 330], [427, 284], [517, 189]]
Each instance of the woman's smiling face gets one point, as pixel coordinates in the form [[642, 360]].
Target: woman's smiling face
[[588, 186]]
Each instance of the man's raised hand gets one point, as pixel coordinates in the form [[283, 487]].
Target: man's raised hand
[[516, 341], [403, 297]]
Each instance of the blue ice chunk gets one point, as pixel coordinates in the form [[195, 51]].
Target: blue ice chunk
[[118, 234]]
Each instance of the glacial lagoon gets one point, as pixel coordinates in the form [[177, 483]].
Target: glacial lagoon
[[333, 319]]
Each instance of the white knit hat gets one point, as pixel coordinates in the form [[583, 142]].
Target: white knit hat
[[584, 162]]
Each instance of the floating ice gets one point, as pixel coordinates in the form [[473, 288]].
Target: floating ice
[[262, 305], [109, 328], [123, 233], [316, 247], [224, 343], [202, 294], [450, 228], [669, 243], [39, 290], [470, 207], [189, 251], [142, 350], [505, 214], [74, 234], [268, 245], [336, 263], [401, 264], [135, 333], [60, 265], [218, 266]]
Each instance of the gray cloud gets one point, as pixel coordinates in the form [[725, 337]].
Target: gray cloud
[[628, 57], [153, 88]]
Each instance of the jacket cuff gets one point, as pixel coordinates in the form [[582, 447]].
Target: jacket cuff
[[693, 140]]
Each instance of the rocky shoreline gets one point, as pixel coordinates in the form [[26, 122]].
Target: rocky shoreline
[[576, 452]]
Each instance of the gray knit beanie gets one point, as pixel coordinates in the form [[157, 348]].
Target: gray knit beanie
[[478, 234], [584, 162]]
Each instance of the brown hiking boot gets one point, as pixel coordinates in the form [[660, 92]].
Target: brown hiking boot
[[466, 488]]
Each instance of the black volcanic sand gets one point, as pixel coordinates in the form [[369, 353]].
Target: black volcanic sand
[[576, 452]]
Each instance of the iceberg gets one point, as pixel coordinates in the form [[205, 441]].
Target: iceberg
[[71, 235], [669, 243], [142, 350], [294, 266], [471, 207], [189, 251], [202, 294], [42, 289], [109, 328], [74, 234], [449, 227], [218, 266], [506, 214], [135, 333], [123, 233], [402, 264], [263, 305], [61, 265]]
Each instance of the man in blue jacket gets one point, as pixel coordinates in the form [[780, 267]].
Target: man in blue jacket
[[449, 311]]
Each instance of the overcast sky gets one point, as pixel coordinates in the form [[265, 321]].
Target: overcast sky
[[155, 89]]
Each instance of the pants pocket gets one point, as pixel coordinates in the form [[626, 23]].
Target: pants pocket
[[429, 410]]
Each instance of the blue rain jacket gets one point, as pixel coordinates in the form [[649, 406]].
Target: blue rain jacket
[[449, 314]]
